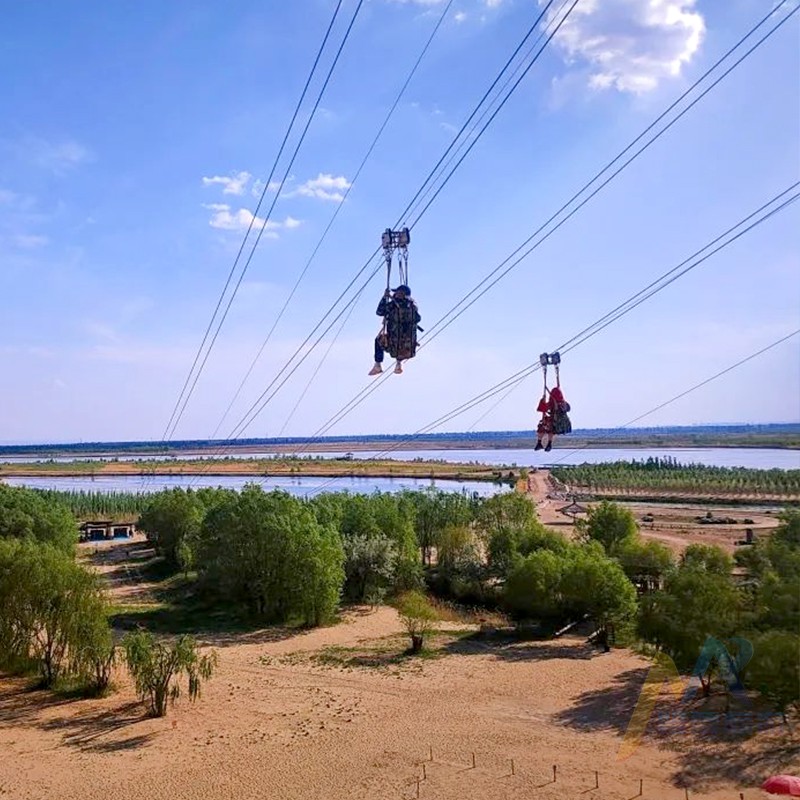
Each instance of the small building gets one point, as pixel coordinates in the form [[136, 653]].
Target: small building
[[104, 530], [572, 510]]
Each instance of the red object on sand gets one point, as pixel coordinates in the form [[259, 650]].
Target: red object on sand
[[782, 784]]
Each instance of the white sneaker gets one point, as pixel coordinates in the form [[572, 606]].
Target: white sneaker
[[398, 368], [376, 370]]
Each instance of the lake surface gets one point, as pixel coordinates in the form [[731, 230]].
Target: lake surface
[[754, 458], [294, 485]]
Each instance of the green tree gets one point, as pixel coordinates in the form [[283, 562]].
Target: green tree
[[157, 667], [788, 532], [610, 524], [645, 562], [707, 557], [773, 566], [596, 585], [25, 514], [267, 552], [53, 612], [173, 519], [775, 669], [694, 604], [457, 548], [433, 511], [370, 564], [533, 588], [418, 617]]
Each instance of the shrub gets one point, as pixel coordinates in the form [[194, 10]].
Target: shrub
[[156, 668], [418, 617]]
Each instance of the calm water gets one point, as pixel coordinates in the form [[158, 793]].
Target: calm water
[[713, 456], [293, 485]]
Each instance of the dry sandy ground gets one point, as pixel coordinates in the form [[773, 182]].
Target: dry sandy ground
[[674, 525], [286, 726]]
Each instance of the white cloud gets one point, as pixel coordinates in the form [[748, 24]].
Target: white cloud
[[100, 330], [29, 241], [258, 186], [59, 157], [224, 218], [459, 16], [325, 187], [631, 45], [231, 184]]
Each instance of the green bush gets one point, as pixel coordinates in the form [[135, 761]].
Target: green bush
[[418, 617], [157, 667]]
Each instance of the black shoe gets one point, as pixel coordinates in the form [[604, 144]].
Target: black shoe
[[549, 447], [538, 446]]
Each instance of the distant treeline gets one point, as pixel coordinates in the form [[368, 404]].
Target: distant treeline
[[685, 434], [668, 474], [86, 505]]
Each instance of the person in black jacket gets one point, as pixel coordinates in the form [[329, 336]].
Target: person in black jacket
[[398, 336]]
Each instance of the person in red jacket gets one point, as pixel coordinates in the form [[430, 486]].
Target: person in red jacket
[[555, 420]]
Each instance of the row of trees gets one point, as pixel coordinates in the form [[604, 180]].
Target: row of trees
[[85, 505], [667, 474]]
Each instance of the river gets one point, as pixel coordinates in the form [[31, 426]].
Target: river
[[297, 485], [754, 458]]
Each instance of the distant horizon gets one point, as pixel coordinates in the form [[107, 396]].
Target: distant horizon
[[729, 426]]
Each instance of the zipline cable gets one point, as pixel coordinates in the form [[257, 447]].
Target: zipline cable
[[695, 260], [439, 327], [700, 257], [666, 403], [339, 207], [255, 215], [690, 390], [260, 403], [272, 206]]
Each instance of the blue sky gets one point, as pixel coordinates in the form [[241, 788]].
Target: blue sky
[[134, 134]]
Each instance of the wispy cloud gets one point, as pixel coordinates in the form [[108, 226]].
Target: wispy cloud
[[58, 157], [324, 187], [226, 219], [631, 45], [29, 241], [231, 184], [100, 330], [7, 197], [258, 186]]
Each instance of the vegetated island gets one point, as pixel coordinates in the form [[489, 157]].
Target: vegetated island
[[277, 466], [783, 436]]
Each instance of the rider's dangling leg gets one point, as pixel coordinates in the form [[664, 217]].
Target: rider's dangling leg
[[379, 352]]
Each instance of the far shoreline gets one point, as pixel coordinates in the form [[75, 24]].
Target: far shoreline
[[754, 441]]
